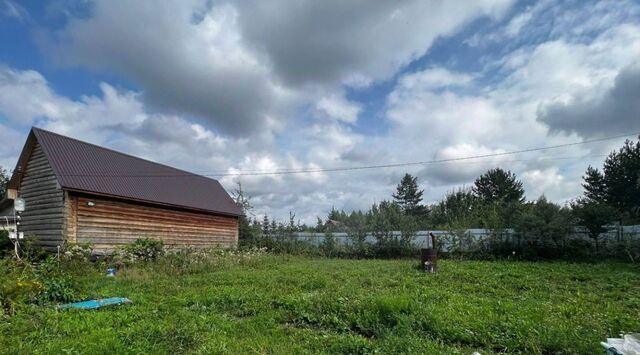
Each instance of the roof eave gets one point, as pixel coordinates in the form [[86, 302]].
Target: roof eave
[[155, 203]]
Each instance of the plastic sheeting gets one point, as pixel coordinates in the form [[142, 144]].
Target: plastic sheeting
[[93, 304], [629, 344]]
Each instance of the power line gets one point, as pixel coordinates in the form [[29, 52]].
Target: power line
[[379, 166]]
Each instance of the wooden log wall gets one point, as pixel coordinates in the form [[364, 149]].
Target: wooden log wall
[[111, 223], [44, 199]]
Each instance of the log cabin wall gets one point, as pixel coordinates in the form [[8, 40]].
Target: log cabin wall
[[107, 223], [44, 199]]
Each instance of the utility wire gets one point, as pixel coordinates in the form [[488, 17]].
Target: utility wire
[[368, 167]]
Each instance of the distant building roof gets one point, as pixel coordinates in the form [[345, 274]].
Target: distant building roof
[[84, 167]]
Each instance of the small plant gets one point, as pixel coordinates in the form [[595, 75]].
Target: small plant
[[59, 288], [24, 284], [79, 252], [145, 249], [18, 285], [31, 250]]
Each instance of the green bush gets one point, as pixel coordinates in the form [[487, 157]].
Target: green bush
[[31, 251], [57, 284], [329, 245], [59, 288], [78, 252], [6, 247], [23, 283], [18, 285], [145, 249]]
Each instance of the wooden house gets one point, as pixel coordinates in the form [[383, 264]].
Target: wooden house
[[76, 192]]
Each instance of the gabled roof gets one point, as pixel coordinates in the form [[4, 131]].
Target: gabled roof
[[85, 167]]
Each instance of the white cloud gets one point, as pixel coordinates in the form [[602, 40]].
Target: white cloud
[[337, 41], [241, 64], [443, 118], [517, 23], [12, 142], [187, 57], [337, 107], [245, 86], [13, 10], [461, 172], [175, 140], [25, 95], [549, 182], [434, 78], [613, 112]]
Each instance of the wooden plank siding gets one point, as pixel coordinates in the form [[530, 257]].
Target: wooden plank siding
[[110, 223], [43, 216]]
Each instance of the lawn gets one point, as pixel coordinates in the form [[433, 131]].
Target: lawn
[[287, 304]]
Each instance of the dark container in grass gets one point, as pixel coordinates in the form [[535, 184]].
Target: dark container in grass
[[429, 260], [429, 257]]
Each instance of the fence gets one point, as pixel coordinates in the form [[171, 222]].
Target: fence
[[422, 239]]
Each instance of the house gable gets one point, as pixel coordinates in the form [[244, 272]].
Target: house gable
[[44, 199]]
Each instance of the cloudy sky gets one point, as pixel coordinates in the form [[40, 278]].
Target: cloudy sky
[[222, 87]]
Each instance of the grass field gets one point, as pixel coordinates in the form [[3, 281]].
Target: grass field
[[286, 304]]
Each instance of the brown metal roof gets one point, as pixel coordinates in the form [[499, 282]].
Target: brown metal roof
[[84, 167]]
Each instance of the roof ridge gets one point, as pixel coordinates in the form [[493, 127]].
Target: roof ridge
[[71, 155], [37, 129]]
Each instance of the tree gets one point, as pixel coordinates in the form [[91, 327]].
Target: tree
[[4, 181], [385, 218], [544, 224], [594, 186], [265, 226], [594, 216], [458, 208], [246, 231], [498, 186], [636, 209], [408, 196], [357, 229], [241, 200], [617, 185]]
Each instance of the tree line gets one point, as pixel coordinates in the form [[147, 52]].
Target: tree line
[[496, 202]]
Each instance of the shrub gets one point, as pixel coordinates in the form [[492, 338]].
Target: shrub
[[31, 250], [22, 284], [78, 252], [6, 247], [18, 285], [144, 249], [59, 288], [329, 245]]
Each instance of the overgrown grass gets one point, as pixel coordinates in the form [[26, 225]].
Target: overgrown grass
[[288, 304]]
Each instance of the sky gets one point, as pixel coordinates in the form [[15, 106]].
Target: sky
[[227, 87]]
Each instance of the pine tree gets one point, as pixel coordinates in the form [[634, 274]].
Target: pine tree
[[594, 186], [334, 215], [498, 186], [618, 183], [265, 225], [594, 216], [408, 196]]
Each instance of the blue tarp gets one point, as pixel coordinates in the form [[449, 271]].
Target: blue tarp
[[93, 304]]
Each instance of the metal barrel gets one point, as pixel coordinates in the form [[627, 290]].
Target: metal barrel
[[429, 259]]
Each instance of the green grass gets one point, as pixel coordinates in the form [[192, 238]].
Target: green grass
[[285, 304]]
